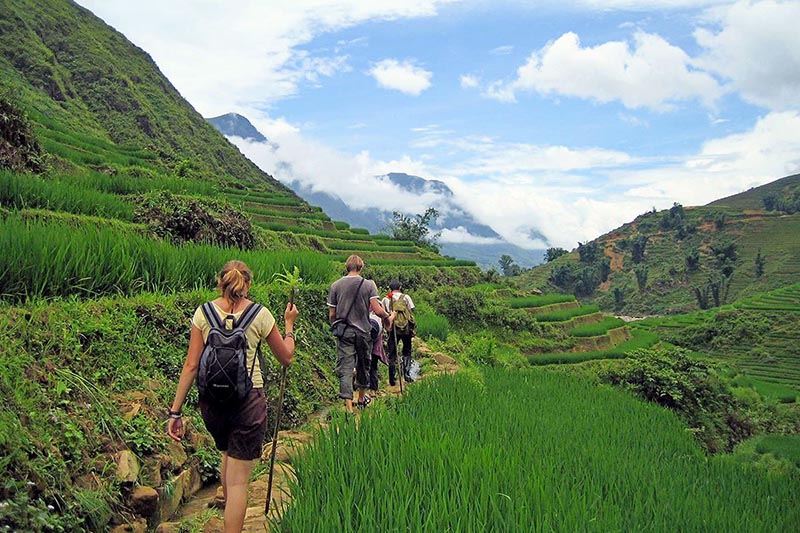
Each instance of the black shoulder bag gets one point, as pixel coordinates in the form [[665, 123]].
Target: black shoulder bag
[[339, 325]]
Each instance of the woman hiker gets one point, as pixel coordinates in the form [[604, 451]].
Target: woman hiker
[[238, 427]]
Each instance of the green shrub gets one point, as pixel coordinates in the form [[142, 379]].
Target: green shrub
[[689, 387], [189, 219], [461, 306]]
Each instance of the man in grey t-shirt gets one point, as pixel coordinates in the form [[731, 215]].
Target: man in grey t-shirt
[[352, 297]]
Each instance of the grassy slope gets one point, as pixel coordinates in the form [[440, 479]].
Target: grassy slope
[[670, 284], [752, 198], [79, 77]]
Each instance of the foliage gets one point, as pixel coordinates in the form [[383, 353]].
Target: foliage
[[25, 191], [566, 314], [597, 328], [415, 229], [44, 260], [508, 266], [787, 201], [689, 387], [588, 252], [460, 306], [619, 298], [692, 260], [498, 454], [759, 262], [539, 301], [291, 280], [554, 253], [639, 340], [190, 219], [641, 272], [20, 150], [723, 332], [430, 324], [586, 281], [638, 246]]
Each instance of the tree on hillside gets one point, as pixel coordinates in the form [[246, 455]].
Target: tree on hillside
[[641, 277], [638, 245], [692, 260], [554, 253], [562, 276], [605, 269], [508, 266], [416, 229], [588, 252], [760, 261]]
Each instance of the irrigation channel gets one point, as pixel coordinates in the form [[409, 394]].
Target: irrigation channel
[[290, 442]]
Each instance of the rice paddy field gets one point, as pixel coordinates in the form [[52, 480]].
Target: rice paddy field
[[774, 364], [527, 451]]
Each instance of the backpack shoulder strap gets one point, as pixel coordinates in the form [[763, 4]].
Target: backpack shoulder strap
[[248, 316], [211, 315]]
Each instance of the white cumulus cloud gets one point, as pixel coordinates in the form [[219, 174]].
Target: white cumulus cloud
[[401, 76], [650, 73], [469, 81], [756, 45], [224, 56]]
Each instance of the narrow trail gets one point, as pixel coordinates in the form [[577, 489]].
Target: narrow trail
[[289, 444]]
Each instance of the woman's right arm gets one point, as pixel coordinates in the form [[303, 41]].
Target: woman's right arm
[[188, 374], [283, 346]]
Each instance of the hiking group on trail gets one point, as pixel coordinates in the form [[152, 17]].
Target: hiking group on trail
[[357, 321], [225, 344]]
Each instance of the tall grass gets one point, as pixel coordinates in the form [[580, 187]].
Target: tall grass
[[539, 301], [566, 314], [22, 191], [47, 260], [597, 328], [431, 324], [526, 451]]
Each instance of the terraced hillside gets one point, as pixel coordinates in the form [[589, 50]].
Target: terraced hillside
[[118, 205], [679, 260], [758, 337], [591, 334]]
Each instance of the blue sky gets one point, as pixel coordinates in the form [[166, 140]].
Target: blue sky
[[564, 118]]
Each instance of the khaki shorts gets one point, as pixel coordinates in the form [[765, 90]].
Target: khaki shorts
[[238, 429]]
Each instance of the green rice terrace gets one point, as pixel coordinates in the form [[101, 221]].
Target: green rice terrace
[[537, 410]]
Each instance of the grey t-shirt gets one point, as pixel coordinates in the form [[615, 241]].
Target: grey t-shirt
[[343, 294]]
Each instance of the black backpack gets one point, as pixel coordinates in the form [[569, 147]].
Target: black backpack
[[222, 375]]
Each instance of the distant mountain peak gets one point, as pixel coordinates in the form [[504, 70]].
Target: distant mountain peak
[[236, 125], [417, 185]]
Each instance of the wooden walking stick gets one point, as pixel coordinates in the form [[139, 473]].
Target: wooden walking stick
[[275, 441]]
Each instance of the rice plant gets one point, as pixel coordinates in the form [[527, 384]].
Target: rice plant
[[24, 191], [430, 324], [597, 328], [539, 301], [48, 260], [566, 314], [526, 451], [639, 340]]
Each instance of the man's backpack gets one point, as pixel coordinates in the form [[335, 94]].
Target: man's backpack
[[404, 318], [222, 375]]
